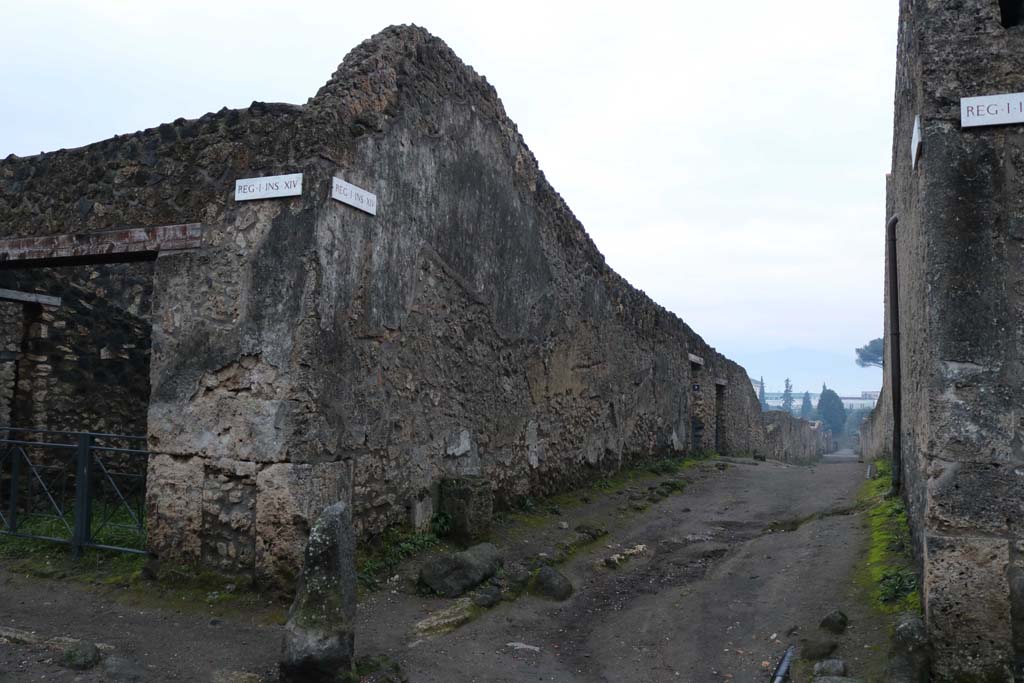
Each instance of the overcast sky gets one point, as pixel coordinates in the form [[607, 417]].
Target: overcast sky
[[727, 158]]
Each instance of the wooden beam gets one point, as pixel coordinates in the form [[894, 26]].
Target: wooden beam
[[29, 297], [127, 244]]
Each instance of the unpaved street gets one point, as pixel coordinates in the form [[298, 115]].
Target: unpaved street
[[745, 561], [712, 600]]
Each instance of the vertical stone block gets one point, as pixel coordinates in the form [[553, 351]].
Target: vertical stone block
[[469, 504], [229, 502], [319, 638], [174, 507], [967, 606], [289, 498]]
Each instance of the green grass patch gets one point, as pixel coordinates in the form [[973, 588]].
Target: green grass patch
[[187, 588], [377, 560], [888, 574], [111, 525]]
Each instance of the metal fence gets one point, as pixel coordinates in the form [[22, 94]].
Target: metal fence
[[83, 489]]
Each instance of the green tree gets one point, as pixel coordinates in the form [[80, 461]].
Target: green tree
[[787, 397], [831, 410], [760, 395], [806, 409], [872, 354]]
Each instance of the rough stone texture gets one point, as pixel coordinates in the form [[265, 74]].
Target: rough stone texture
[[12, 331], [960, 252], [830, 667], [452, 574], [319, 638], [793, 440], [468, 503], [114, 244], [551, 583], [835, 622], [80, 656], [911, 656], [80, 366], [470, 328], [817, 648]]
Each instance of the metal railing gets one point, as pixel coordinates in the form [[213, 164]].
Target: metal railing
[[82, 489]]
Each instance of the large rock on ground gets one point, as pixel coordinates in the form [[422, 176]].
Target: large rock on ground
[[552, 584], [814, 649], [451, 575], [319, 638]]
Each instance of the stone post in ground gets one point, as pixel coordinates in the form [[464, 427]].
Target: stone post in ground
[[319, 638], [469, 504]]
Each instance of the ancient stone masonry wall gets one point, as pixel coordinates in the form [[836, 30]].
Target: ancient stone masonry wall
[[12, 330], [309, 352], [876, 431], [960, 252], [795, 441], [83, 365]]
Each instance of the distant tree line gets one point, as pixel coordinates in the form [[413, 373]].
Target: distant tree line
[[830, 408]]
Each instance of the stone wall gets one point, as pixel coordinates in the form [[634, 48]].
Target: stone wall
[[12, 330], [796, 441], [83, 365], [310, 352], [876, 430], [960, 250]]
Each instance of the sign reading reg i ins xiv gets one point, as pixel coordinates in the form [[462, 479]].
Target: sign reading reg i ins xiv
[[991, 110], [347, 193]]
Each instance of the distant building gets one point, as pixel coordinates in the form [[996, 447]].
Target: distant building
[[860, 402], [867, 399]]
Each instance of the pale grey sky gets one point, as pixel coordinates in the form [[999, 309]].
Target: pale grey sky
[[727, 158]]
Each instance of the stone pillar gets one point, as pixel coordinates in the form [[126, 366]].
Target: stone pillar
[[319, 638]]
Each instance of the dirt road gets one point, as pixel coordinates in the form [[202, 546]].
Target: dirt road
[[748, 559]]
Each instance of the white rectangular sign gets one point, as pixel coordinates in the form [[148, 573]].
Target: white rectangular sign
[[347, 193], [268, 187], [991, 110], [915, 142]]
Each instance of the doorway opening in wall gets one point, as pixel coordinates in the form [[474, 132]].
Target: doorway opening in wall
[[719, 417], [74, 397], [1011, 12]]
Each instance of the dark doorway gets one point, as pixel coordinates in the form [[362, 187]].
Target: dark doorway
[[1011, 11]]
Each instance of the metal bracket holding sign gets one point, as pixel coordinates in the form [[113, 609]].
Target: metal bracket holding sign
[[991, 110], [347, 193], [268, 187], [915, 143]]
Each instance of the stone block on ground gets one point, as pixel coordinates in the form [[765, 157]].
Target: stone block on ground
[[80, 656], [452, 574], [122, 670], [487, 597], [835, 622], [552, 584], [319, 637], [469, 504], [830, 667], [817, 648]]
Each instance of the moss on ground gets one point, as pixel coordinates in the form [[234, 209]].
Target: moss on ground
[[532, 513], [888, 574], [53, 560], [378, 559]]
